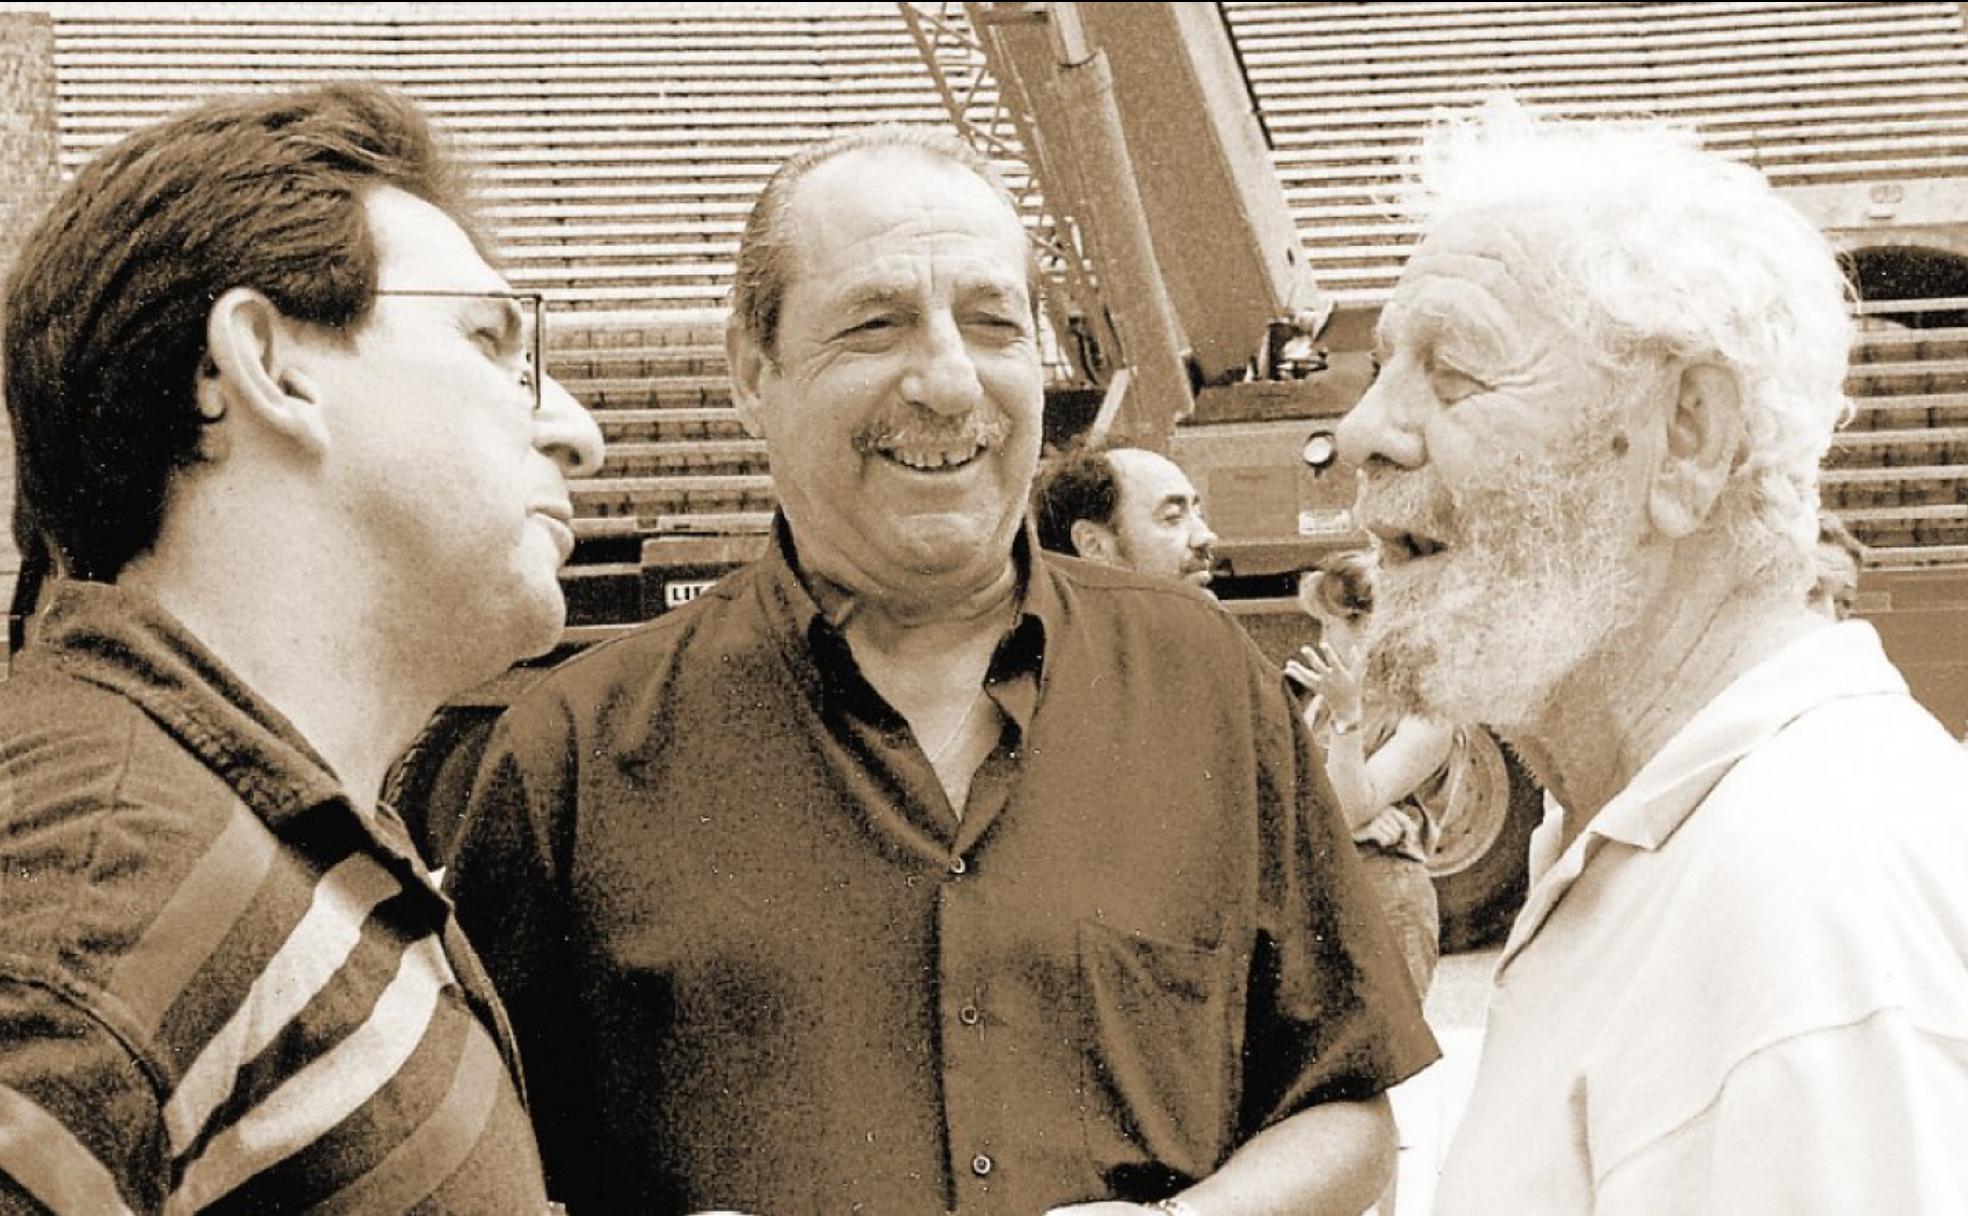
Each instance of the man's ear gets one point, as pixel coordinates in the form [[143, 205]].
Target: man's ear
[[1704, 445], [254, 370], [1095, 542], [748, 365]]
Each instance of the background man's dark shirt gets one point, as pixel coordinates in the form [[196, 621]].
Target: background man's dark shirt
[[757, 962]]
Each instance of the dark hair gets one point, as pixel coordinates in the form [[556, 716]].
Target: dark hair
[[765, 252], [108, 303], [1071, 486], [1343, 589]]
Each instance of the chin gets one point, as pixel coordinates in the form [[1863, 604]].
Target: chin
[[1461, 662], [945, 544], [545, 629], [530, 621]]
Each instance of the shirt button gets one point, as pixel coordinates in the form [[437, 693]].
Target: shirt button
[[968, 1015], [958, 865], [980, 1165]]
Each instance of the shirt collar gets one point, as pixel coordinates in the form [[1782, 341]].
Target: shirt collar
[[808, 609], [1827, 664], [123, 640]]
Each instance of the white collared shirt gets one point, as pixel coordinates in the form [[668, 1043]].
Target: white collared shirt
[[1760, 1008]]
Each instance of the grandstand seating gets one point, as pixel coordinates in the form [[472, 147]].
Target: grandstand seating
[[1897, 473], [618, 154], [1810, 93]]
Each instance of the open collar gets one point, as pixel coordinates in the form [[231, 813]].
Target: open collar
[[1837, 661], [807, 614]]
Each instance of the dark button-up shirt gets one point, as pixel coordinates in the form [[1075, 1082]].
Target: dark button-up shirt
[[221, 988], [756, 961]]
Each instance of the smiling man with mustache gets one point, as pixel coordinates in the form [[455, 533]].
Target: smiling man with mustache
[[909, 870], [1590, 466]]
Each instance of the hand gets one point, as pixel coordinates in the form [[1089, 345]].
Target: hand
[[1320, 669], [1385, 829]]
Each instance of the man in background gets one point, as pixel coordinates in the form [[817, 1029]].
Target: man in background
[[1125, 507], [283, 428]]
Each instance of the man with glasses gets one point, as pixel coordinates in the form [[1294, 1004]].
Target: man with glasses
[[282, 428]]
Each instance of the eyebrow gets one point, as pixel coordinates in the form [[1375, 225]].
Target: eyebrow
[[996, 293], [873, 295], [1416, 325], [1434, 324]]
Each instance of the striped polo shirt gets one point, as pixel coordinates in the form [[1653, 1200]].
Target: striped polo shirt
[[221, 988]]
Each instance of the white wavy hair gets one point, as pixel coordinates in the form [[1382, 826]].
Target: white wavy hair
[[1653, 247]]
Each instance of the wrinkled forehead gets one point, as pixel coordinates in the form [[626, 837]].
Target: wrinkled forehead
[[897, 214], [1474, 269]]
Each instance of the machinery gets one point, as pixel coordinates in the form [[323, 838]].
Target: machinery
[[1177, 279]]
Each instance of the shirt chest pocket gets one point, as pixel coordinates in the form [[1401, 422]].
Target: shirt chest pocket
[[1158, 1058]]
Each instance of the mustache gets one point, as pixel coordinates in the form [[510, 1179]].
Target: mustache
[[912, 426], [1415, 500]]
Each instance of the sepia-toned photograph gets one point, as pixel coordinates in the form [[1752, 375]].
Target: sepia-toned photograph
[[1214, 608]]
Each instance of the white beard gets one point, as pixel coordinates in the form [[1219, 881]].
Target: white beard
[[1535, 581]]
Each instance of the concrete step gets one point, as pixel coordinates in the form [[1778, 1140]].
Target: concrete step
[[1890, 346], [573, 366], [1910, 411], [1917, 557], [1920, 447], [657, 393], [1886, 378], [685, 458], [711, 281], [1868, 488], [1451, 22], [621, 426], [653, 497], [600, 254]]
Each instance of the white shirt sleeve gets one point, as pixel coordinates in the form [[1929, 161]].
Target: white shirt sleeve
[[1867, 1117]]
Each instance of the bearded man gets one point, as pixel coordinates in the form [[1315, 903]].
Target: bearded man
[[1609, 372], [909, 870]]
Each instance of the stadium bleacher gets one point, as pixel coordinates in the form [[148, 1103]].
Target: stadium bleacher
[[619, 149]]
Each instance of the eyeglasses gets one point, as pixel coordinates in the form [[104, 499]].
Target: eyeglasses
[[529, 343]]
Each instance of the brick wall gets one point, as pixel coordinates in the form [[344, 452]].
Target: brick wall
[[28, 175]]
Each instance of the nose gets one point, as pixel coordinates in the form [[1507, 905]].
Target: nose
[[1372, 431], [1201, 537], [941, 376], [565, 430]]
